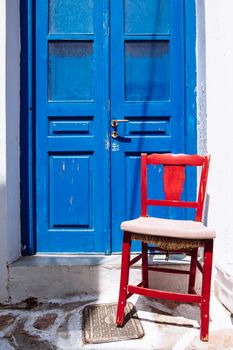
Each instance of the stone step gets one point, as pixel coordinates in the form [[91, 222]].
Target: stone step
[[46, 277]]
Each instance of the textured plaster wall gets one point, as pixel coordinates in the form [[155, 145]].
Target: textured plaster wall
[[12, 127], [3, 219], [9, 138], [219, 98], [201, 78]]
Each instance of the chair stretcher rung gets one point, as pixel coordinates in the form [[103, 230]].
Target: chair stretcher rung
[[199, 266], [153, 293], [180, 272], [171, 203], [136, 259], [130, 294], [193, 291], [160, 250]]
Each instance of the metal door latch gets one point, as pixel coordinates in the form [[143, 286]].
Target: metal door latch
[[115, 122]]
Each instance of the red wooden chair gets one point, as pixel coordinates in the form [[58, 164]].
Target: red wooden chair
[[169, 236]]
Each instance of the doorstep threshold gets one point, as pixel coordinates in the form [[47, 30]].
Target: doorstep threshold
[[93, 260]]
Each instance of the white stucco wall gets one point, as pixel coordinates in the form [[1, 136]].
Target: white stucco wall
[[12, 127], [201, 78], [219, 94], [9, 138], [3, 221]]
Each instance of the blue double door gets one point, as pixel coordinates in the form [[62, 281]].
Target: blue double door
[[98, 61]]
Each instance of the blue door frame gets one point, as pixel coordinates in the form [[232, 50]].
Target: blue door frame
[[27, 131]]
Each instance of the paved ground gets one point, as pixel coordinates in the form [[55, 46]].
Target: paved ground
[[57, 324]]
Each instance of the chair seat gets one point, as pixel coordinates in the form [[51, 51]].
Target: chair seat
[[184, 229]]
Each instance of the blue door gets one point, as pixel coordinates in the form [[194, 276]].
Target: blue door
[[147, 92], [96, 62]]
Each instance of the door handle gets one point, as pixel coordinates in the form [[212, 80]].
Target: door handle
[[115, 122]]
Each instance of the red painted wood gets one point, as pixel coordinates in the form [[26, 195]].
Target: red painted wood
[[124, 278], [193, 291], [174, 178], [192, 271], [205, 294], [161, 269], [138, 285], [171, 203], [202, 188], [178, 251], [154, 293], [145, 265], [143, 184], [175, 159], [199, 266], [135, 260], [174, 171]]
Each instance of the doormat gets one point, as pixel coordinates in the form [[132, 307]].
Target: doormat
[[99, 324]]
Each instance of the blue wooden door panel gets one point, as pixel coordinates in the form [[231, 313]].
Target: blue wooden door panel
[[147, 17], [79, 16], [69, 179], [147, 89], [147, 73], [90, 70], [71, 126], [70, 71]]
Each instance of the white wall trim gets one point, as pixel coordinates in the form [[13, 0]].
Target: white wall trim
[[12, 129], [3, 211], [201, 78]]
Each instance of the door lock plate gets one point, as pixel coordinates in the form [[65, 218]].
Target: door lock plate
[[115, 134]]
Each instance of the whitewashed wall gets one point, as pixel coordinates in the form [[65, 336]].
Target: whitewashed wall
[[3, 223], [219, 101], [9, 138], [12, 128]]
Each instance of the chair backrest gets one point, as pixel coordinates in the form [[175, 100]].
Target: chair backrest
[[173, 180]]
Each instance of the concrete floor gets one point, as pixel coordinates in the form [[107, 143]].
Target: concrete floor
[[57, 324]]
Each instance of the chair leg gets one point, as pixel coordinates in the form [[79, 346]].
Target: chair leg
[[206, 288], [124, 278], [193, 269], [145, 265]]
